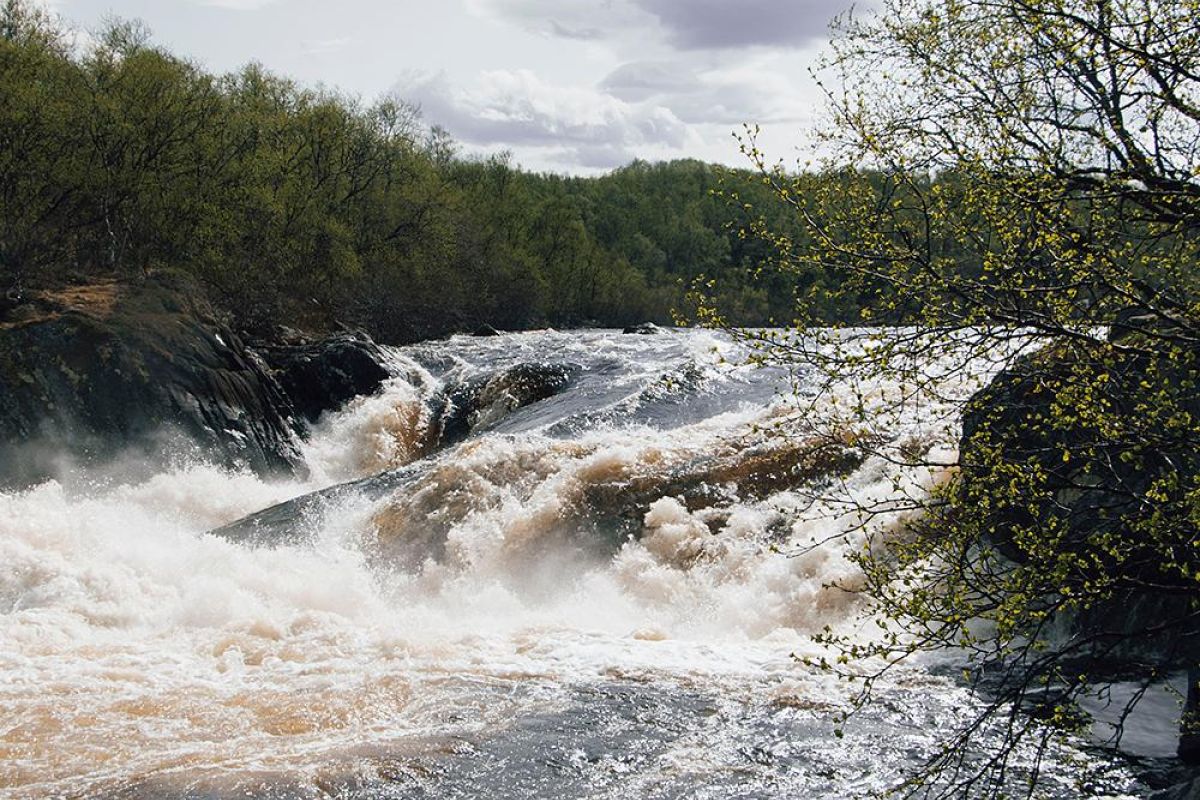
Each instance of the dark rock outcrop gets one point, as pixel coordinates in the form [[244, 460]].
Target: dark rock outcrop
[[147, 372], [483, 400], [1093, 482], [322, 375], [486, 330], [95, 371], [10, 299], [1097, 490], [1182, 791], [643, 329], [1189, 733]]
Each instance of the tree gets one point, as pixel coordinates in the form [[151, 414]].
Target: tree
[[308, 207], [39, 144], [1012, 184]]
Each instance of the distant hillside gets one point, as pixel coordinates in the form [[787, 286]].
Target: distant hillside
[[310, 208]]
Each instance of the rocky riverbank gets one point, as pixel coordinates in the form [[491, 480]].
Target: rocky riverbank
[[143, 373], [1128, 610], [138, 374]]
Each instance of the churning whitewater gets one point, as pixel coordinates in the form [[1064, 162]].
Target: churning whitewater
[[598, 590]]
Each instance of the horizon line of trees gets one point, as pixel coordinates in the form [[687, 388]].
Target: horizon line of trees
[[309, 208]]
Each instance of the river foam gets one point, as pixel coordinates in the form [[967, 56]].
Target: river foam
[[582, 592]]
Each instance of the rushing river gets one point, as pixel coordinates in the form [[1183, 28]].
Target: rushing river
[[600, 594]]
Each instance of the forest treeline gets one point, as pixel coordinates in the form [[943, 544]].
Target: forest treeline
[[307, 207]]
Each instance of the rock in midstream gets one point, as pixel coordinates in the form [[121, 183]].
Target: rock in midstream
[[455, 414], [614, 505], [482, 400]]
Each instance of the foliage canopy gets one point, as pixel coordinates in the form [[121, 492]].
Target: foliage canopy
[[308, 207]]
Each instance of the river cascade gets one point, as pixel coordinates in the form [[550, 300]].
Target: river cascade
[[603, 589]]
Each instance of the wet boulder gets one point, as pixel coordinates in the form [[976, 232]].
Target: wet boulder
[[483, 400], [421, 503], [723, 478], [1189, 739], [141, 370], [643, 329], [1092, 485], [1189, 790], [10, 300], [463, 409], [1096, 490], [295, 521], [323, 375]]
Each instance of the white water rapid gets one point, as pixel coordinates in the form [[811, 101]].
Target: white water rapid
[[596, 595]]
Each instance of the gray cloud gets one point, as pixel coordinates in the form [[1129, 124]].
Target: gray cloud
[[517, 108], [682, 24], [568, 19], [639, 80], [721, 24], [697, 96]]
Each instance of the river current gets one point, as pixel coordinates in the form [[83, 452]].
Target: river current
[[602, 594]]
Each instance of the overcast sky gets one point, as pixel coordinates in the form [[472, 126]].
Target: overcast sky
[[565, 85]]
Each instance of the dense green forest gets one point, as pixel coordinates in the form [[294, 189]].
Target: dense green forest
[[307, 207]]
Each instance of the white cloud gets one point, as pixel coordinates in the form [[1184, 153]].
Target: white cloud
[[759, 90], [237, 5], [516, 108], [322, 47]]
